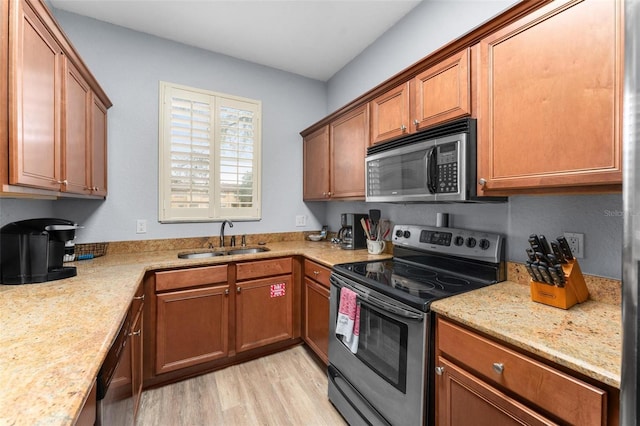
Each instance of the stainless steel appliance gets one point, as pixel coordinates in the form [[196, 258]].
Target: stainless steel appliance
[[389, 378], [33, 250], [351, 233], [630, 377], [437, 164]]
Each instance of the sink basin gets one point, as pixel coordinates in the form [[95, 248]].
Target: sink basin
[[200, 255], [248, 250]]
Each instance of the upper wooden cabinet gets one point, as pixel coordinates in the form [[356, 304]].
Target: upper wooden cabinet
[[550, 100], [390, 115], [56, 137], [438, 94], [442, 92], [334, 158]]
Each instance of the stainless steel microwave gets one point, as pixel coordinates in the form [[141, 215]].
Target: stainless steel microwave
[[438, 164]]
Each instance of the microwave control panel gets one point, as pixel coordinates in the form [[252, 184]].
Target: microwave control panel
[[447, 160]]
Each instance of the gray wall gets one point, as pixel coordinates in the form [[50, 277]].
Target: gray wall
[[129, 65]]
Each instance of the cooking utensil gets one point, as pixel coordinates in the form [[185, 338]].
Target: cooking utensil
[[564, 247]]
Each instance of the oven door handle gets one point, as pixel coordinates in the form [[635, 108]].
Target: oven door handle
[[366, 298], [387, 307]]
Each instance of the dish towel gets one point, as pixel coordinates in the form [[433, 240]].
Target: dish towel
[[348, 323]]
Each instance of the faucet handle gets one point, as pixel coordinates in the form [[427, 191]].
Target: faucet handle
[[233, 241], [244, 240]]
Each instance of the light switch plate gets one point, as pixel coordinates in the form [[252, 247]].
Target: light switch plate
[[141, 226], [301, 220]]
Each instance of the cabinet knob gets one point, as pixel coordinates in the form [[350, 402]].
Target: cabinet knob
[[238, 290], [416, 122], [226, 292], [482, 181], [498, 367], [439, 371], [403, 128]]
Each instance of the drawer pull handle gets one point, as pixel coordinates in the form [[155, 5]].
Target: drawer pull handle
[[316, 273], [439, 371], [135, 333], [498, 367], [139, 297]]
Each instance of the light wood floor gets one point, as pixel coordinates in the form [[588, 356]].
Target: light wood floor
[[287, 388]]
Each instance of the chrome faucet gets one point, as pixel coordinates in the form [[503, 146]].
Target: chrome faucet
[[222, 230]]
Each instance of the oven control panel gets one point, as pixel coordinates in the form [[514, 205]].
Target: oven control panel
[[466, 243]]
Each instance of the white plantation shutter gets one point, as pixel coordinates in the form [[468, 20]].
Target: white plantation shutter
[[209, 156]]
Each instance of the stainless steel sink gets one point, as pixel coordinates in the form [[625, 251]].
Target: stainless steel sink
[[248, 250], [200, 255]]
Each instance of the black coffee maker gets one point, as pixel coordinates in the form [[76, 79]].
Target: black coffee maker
[[351, 233], [32, 251]]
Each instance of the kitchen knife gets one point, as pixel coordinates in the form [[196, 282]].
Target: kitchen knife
[[542, 258], [555, 248], [534, 272], [564, 247], [528, 266], [531, 255], [554, 276], [534, 242], [544, 271], [560, 272], [544, 245]]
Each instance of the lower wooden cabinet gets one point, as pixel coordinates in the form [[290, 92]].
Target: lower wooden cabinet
[[192, 327], [316, 309], [203, 318], [482, 382], [264, 312]]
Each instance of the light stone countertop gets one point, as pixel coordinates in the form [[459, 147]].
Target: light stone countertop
[[586, 338], [54, 336]]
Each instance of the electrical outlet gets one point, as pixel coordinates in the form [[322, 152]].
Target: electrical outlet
[[301, 220], [576, 243], [141, 226]]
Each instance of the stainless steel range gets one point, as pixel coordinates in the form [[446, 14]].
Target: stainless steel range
[[387, 377]]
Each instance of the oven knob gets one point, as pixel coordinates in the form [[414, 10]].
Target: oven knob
[[458, 241], [407, 234], [471, 242], [399, 233], [484, 244]]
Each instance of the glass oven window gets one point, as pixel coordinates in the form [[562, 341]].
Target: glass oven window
[[382, 346]]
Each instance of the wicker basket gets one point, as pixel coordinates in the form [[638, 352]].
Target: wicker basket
[[89, 251]]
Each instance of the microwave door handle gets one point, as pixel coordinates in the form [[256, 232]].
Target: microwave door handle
[[432, 168]]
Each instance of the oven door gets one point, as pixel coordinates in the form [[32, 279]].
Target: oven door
[[385, 381]]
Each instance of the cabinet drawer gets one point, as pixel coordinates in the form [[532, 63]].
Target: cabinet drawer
[[183, 278], [571, 400], [263, 268], [317, 272]]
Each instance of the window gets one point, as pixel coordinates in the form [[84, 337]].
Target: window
[[209, 155]]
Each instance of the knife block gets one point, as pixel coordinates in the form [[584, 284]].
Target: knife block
[[574, 290]]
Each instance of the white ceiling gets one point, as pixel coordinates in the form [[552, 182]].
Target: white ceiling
[[313, 38]]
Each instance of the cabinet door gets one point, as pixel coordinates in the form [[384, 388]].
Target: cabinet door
[[264, 312], [191, 328], [316, 165], [463, 399], [349, 137], [549, 99], [76, 135], [316, 318], [442, 92], [98, 147], [35, 91], [389, 114]]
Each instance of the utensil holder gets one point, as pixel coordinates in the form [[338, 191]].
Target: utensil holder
[[574, 290]]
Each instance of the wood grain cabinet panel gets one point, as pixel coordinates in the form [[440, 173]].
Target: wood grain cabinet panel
[[316, 319], [316, 165], [442, 92], [98, 147], [534, 384], [192, 327], [35, 97], [264, 312], [550, 98], [390, 115], [349, 137]]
